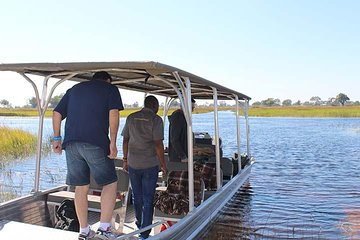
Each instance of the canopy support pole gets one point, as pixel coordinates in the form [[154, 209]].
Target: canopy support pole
[[238, 132], [186, 105], [217, 142], [190, 144], [247, 127], [42, 104], [167, 105]]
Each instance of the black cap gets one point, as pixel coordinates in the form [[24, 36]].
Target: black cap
[[102, 76]]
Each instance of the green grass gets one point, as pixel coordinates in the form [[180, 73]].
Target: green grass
[[292, 111], [306, 111], [16, 143], [31, 112], [22, 112]]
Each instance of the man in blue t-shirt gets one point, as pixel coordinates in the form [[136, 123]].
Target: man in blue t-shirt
[[90, 109]]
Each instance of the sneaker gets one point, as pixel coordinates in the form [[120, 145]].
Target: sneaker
[[83, 236], [105, 234]]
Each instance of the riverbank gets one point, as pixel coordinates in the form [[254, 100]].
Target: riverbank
[[291, 111], [31, 112]]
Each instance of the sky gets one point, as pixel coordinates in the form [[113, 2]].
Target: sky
[[265, 49]]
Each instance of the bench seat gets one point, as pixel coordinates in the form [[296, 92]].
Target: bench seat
[[94, 201]]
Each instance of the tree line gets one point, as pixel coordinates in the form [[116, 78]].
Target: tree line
[[32, 103], [341, 99]]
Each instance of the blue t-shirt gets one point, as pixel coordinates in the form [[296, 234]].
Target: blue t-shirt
[[86, 108]]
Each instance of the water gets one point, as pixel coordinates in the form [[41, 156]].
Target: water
[[305, 183]]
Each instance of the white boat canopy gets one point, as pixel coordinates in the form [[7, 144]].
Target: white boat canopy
[[136, 76]]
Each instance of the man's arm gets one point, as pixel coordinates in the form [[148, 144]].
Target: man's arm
[[125, 151], [56, 121], [159, 147], [114, 121]]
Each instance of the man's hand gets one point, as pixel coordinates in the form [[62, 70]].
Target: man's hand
[[125, 166], [113, 151], [164, 171], [57, 146], [184, 160]]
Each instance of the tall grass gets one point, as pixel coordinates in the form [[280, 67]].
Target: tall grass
[[15, 143]]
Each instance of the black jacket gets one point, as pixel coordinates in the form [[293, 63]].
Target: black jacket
[[177, 136]]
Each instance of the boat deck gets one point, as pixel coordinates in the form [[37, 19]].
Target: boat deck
[[18, 230], [10, 229]]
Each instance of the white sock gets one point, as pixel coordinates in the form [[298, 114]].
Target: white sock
[[85, 230], [104, 226]]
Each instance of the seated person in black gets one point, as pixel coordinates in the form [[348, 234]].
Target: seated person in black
[[178, 135]]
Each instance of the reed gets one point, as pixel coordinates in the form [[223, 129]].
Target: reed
[[15, 143], [8, 188], [7, 196]]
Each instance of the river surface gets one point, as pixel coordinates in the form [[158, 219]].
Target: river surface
[[305, 183]]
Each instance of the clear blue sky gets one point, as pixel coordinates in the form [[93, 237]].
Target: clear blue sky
[[281, 49]]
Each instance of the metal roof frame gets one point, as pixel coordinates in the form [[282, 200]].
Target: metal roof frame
[[135, 76]]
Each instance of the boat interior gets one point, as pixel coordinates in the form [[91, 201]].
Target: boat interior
[[198, 188]]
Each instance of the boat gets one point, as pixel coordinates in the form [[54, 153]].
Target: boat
[[32, 216]]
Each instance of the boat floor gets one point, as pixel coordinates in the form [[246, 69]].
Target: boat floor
[[19, 230], [129, 224]]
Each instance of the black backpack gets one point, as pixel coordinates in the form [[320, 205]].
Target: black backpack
[[66, 217]]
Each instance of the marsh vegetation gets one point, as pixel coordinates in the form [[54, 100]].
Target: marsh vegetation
[[256, 111], [16, 143]]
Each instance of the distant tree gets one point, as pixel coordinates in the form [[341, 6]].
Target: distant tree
[[175, 104], [315, 100], [277, 102], [5, 103], [55, 100], [135, 105], [287, 102], [356, 103], [32, 102], [342, 98], [222, 103], [270, 102], [297, 103], [256, 104], [332, 102]]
